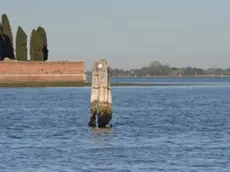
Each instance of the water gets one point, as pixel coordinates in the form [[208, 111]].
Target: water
[[174, 129]]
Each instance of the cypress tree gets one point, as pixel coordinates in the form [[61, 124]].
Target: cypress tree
[[1, 42], [8, 32], [42, 32], [36, 46], [31, 45], [1, 29], [21, 45]]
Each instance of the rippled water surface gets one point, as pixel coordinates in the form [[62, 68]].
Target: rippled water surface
[[154, 129]]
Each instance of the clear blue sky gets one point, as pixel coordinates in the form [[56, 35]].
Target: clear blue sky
[[130, 33]]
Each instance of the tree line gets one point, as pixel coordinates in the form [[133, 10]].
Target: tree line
[[38, 50], [158, 69]]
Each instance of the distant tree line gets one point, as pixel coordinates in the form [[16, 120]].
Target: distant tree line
[[158, 69], [38, 50]]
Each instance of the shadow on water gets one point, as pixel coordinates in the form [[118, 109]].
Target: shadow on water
[[101, 130]]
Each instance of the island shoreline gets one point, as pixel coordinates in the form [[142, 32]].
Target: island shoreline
[[87, 84]]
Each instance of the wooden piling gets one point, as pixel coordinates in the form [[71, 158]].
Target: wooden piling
[[101, 95]]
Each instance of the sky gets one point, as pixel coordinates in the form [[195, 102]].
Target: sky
[[129, 33]]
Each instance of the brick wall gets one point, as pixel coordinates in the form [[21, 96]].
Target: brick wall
[[28, 71]]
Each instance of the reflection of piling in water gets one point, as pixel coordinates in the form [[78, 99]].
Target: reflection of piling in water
[[101, 96]]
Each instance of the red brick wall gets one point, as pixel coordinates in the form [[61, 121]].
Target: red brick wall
[[41, 71]]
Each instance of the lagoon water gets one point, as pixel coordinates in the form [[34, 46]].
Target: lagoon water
[[173, 129]]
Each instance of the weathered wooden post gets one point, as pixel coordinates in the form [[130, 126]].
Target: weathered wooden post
[[101, 96]]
